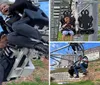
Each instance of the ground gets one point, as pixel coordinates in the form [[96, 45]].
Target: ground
[[38, 77], [93, 77]]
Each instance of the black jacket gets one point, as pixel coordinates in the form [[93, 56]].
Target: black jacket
[[20, 5]]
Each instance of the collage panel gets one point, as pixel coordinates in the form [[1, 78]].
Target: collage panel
[[24, 42], [74, 20], [74, 63]]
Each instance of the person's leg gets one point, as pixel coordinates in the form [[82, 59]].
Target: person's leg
[[71, 35], [1, 74], [83, 69], [21, 41], [64, 33], [76, 71], [26, 30], [71, 38], [3, 66]]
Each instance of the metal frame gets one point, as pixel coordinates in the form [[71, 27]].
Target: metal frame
[[55, 56], [23, 70]]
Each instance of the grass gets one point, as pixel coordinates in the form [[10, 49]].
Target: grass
[[37, 76], [59, 36], [38, 79], [29, 83], [38, 63], [77, 83], [98, 69]]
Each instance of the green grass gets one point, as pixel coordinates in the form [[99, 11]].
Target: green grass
[[38, 79], [38, 63], [77, 83], [98, 69], [29, 83], [99, 32], [59, 36]]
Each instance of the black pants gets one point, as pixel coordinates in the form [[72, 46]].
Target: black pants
[[3, 66], [22, 34]]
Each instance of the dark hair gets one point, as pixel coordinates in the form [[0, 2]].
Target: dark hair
[[80, 56]]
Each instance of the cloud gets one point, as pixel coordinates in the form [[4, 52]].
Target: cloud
[[54, 45]]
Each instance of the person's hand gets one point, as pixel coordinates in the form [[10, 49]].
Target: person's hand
[[3, 41], [64, 25]]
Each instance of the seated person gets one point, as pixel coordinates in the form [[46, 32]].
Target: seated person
[[82, 63], [67, 29]]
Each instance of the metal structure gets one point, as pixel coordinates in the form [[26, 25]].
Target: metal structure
[[58, 57], [77, 7], [57, 9]]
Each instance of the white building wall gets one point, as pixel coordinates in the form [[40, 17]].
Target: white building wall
[[93, 56]]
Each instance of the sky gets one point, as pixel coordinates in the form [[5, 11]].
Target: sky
[[56, 45], [43, 5]]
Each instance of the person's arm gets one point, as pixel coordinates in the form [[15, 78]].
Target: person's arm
[[17, 5], [64, 25]]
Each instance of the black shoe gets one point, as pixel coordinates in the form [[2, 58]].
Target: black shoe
[[85, 73], [77, 76]]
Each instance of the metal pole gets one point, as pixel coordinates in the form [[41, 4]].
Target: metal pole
[[60, 48], [94, 37], [76, 15]]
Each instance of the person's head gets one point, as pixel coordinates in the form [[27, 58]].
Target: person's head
[[67, 19], [4, 8], [80, 57]]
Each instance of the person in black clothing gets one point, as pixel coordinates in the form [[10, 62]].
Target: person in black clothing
[[82, 63]]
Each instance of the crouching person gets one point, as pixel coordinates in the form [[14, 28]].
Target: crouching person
[[82, 64]]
